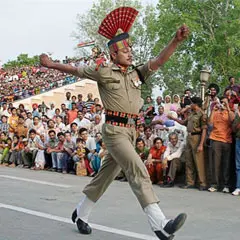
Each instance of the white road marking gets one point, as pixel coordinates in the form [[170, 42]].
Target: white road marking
[[35, 181], [66, 220]]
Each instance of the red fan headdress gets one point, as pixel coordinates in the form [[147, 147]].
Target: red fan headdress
[[116, 25]]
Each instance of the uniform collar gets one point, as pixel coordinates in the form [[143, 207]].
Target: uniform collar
[[117, 67]]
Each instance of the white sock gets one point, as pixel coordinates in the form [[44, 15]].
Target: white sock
[[84, 208], [156, 218]]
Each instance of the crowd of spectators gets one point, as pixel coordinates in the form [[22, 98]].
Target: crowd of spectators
[[180, 139]]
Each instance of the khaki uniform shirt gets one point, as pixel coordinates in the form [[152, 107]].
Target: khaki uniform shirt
[[196, 122], [119, 91]]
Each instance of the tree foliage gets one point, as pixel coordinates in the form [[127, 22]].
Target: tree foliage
[[214, 41], [22, 60]]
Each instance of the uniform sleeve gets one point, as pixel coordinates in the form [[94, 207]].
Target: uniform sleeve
[[145, 71], [204, 121], [89, 72]]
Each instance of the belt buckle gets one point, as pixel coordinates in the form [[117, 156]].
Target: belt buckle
[[131, 121]]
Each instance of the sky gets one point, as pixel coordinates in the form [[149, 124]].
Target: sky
[[37, 26]]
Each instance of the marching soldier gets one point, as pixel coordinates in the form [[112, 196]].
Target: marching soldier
[[119, 85]]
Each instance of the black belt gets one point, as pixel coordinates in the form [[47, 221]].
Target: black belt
[[121, 121], [195, 133]]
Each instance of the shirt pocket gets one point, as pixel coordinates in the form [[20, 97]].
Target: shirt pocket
[[111, 83]]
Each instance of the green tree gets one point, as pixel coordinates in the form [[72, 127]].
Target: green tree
[[214, 40], [22, 60]]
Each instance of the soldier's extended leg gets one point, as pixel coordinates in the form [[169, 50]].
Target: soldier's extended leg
[[121, 149]]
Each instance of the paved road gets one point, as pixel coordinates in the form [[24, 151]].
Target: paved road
[[37, 205]]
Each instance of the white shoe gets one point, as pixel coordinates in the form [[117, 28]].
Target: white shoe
[[212, 189], [236, 192], [226, 190]]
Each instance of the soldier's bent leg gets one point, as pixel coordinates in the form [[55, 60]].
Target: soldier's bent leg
[[107, 173]]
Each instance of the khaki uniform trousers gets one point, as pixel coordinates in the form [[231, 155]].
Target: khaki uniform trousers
[[195, 162], [120, 143]]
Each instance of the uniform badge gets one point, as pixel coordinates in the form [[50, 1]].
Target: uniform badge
[[136, 81]]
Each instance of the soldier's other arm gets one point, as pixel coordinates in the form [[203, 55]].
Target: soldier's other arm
[[45, 61], [181, 35], [204, 133], [82, 72]]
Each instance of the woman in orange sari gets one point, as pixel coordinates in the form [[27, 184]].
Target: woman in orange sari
[[154, 161]]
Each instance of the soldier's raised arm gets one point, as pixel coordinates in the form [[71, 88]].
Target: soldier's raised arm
[[181, 35]]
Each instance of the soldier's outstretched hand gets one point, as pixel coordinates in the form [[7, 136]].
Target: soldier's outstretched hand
[[45, 61], [182, 33]]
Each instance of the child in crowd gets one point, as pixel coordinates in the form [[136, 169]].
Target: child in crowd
[[15, 152], [80, 156]]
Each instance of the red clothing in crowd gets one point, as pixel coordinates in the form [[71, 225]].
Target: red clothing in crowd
[[155, 170]]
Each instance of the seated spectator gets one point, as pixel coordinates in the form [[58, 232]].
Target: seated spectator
[[96, 125], [3, 147], [58, 154], [37, 126], [103, 152], [60, 126], [13, 122], [40, 162], [21, 129], [30, 151], [141, 149], [52, 143], [154, 161], [171, 158], [6, 152], [15, 152], [140, 130], [91, 146], [148, 137], [80, 155]]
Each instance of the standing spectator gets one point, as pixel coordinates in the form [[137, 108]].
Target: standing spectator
[[4, 126], [149, 110], [176, 103], [221, 120], [154, 161], [68, 102], [81, 121], [159, 102], [167, 104], [74, 131], [197, 128], [35, 112], [51, 111], [90, 102], [59, 124], [172, 156], [158, 121], [186, 100], [232, 87], [72, 114], [236, 129], [37, 125], [80, 102]]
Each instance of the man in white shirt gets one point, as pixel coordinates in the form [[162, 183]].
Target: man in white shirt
[[172, 154], [81, 121]]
